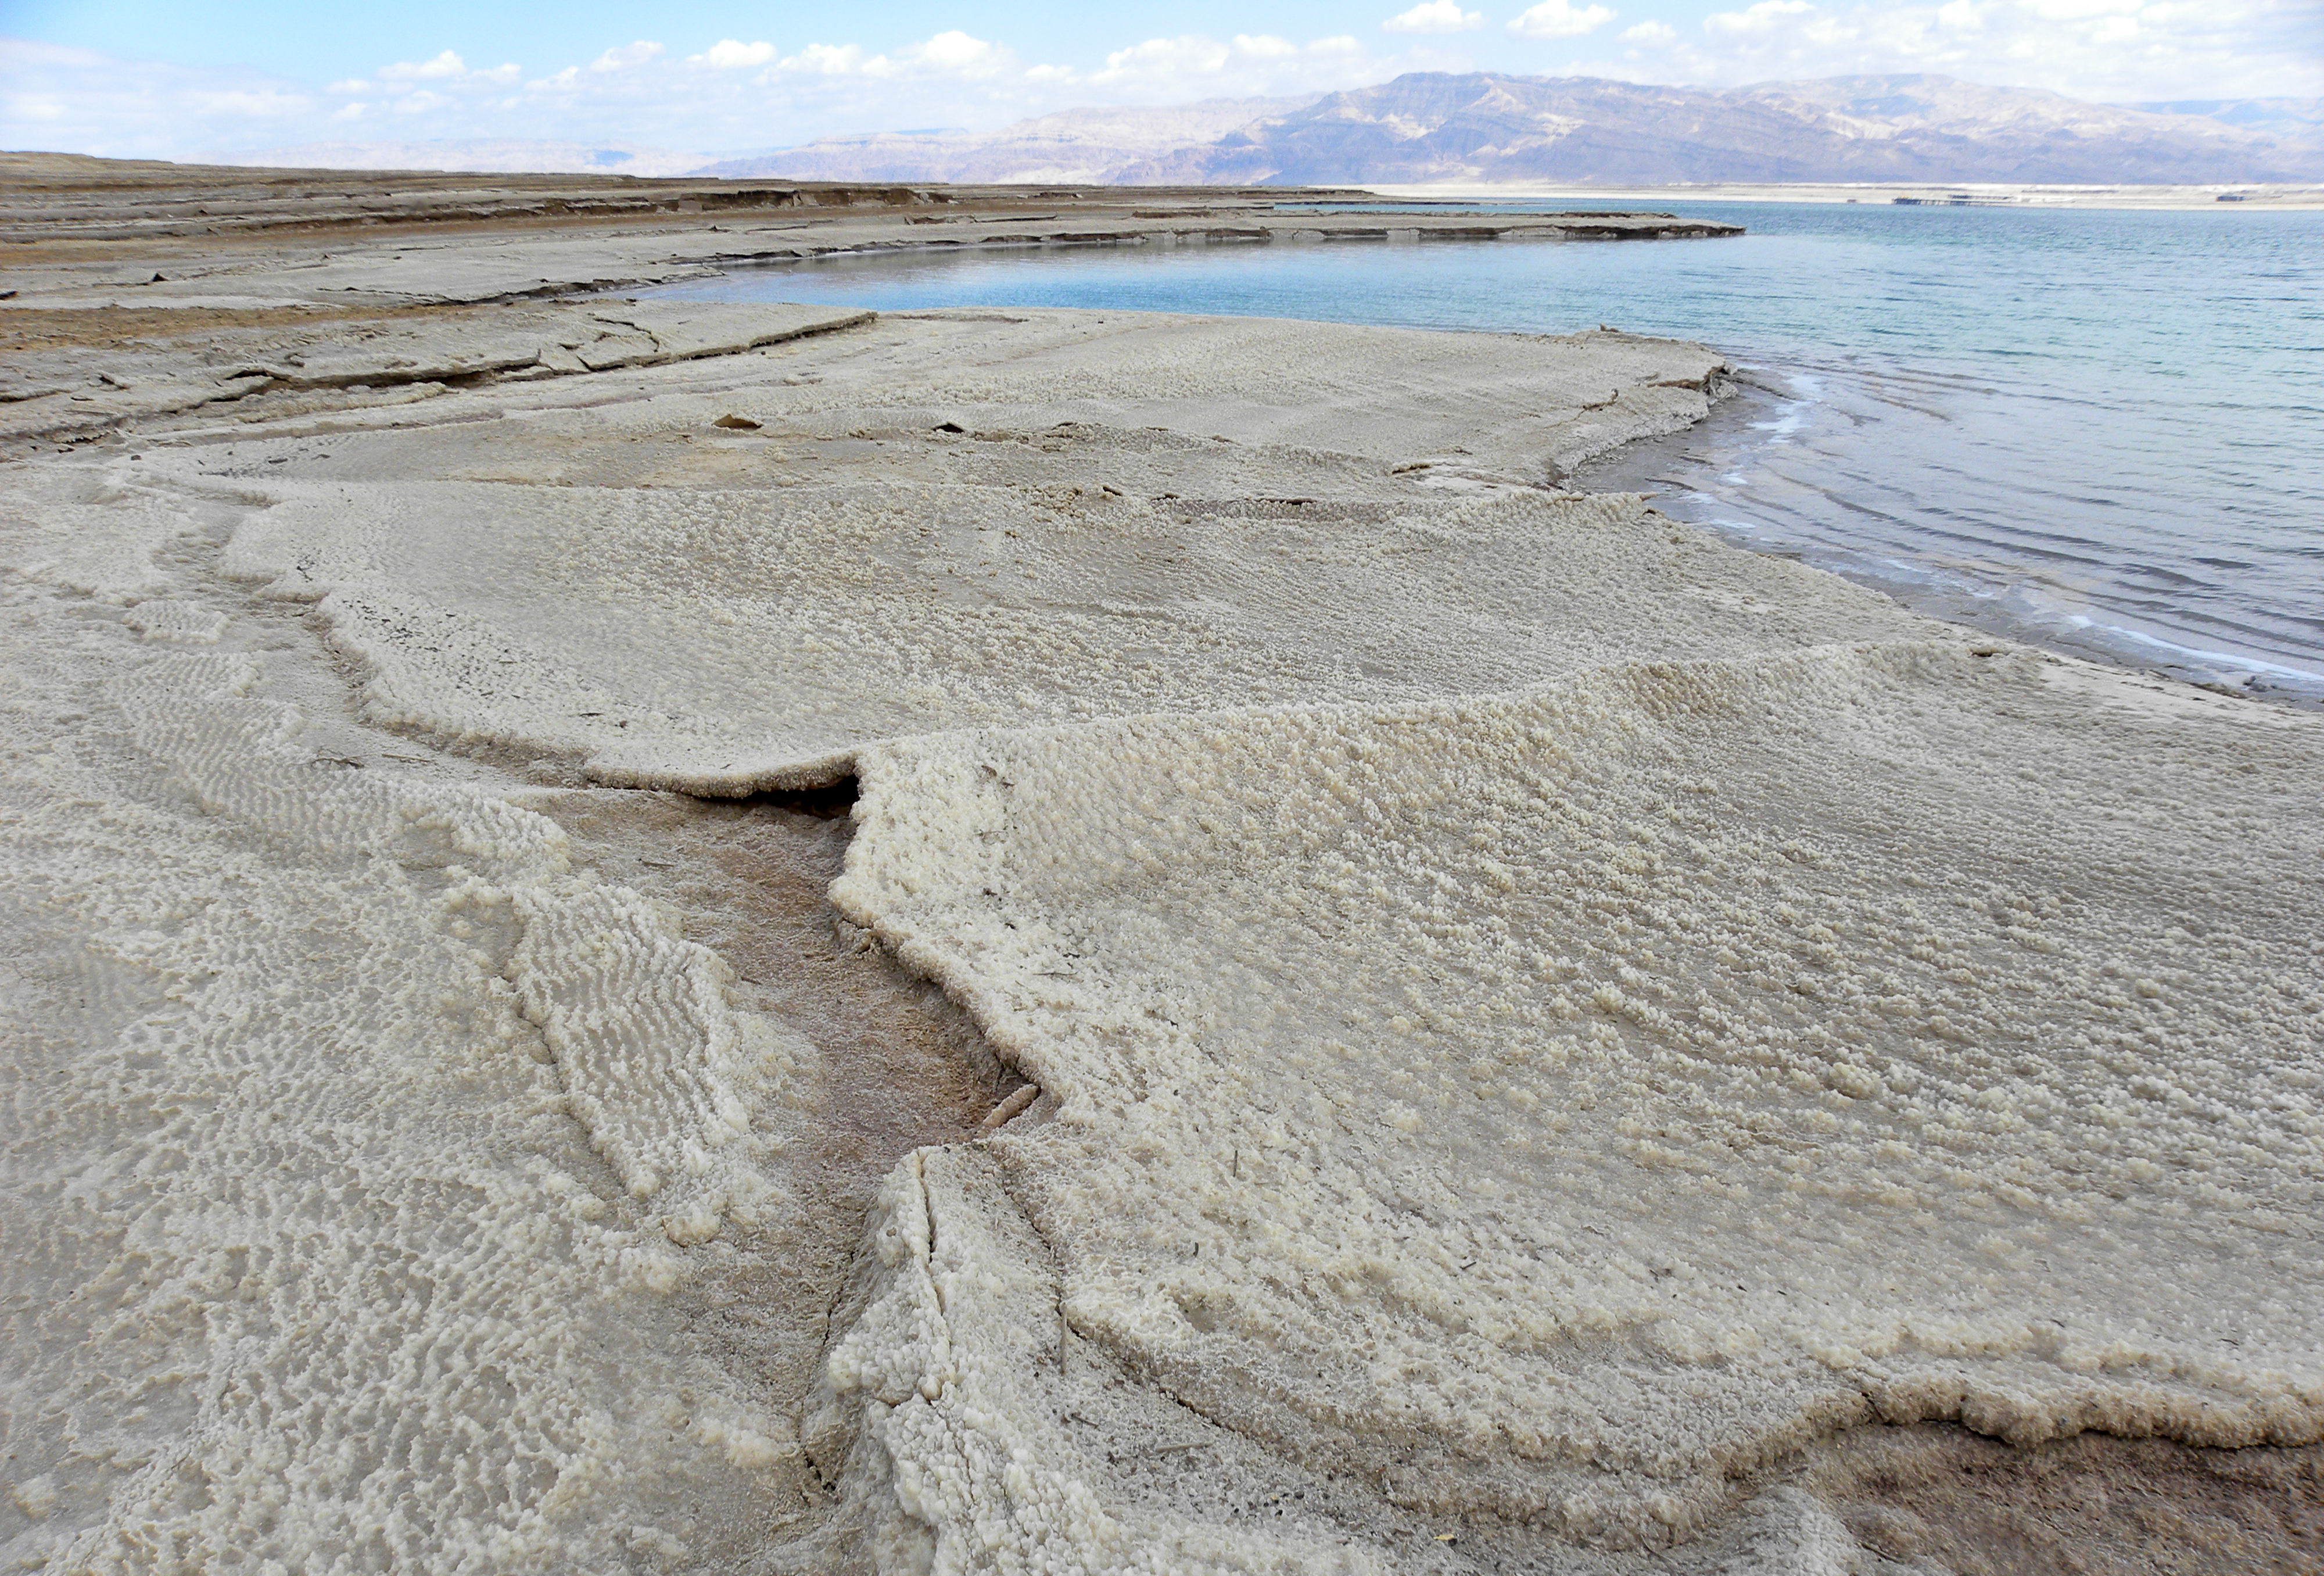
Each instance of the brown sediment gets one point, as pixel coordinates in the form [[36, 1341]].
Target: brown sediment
[[1982, 1507]]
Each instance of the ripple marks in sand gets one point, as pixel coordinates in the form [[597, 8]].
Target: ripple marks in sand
[[655, 1065], [308, 1267]]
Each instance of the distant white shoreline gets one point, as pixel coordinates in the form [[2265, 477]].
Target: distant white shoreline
[[1982, 194]]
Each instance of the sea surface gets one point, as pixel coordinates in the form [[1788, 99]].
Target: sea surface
[[2097, 430]]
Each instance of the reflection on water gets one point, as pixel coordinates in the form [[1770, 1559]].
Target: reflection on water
[[2100, 429]]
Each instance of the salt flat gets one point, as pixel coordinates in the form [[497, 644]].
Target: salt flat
[[1370, 1011]]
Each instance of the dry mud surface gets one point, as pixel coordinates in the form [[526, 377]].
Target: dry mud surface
[[753, 940]]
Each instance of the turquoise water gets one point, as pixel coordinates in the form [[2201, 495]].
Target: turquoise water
[[2103, 430]]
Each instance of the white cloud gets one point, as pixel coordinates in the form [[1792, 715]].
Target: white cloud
[[1194, 66], [1560, 18], [732, 54], [1189, 55], [1264, 46], [1434, 16], [1765, 17], [2101, 51], [828, 59], [627, 56], [952, 54], [447, 64], [1652, 35], [260, 104], [444, 70], [80, 101]]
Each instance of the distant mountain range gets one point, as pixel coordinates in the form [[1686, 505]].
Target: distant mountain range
[[503, 156], [2293, 119], [1483, 128], [1078, 145]]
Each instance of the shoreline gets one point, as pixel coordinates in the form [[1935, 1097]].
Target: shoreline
[[2247, 198], [1984, 609], [1636, 466], [1128, 940]]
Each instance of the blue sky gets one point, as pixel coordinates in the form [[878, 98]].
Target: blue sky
[[143, 78]]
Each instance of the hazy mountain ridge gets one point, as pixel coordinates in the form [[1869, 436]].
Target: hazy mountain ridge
[[2291, 119], [488, 156], [1425, 127], [1075, 146], [1484, 128]]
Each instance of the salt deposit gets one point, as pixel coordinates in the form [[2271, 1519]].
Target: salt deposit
[[1563, 1104], [1515, 1036], [863, 562], [311, 1261]]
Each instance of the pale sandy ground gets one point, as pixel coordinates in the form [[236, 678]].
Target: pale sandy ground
[[2249, 198], [649, 937]]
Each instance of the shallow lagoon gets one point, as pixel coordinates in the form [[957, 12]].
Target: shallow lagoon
[[2100, 429]]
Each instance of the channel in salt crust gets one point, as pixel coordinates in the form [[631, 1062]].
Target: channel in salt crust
[[1558, 1105]]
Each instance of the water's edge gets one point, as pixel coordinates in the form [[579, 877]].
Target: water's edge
[[1655, 467]]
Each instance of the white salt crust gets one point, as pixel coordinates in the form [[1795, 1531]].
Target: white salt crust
[[951, 1393], [652, 1059], [310, 1265], [805, 626], [185, 622], [88, 530], [915, 539], [324, 1278], [1560, 1042], [1562, 1103]]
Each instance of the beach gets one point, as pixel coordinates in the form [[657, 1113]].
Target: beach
[[662, 935]]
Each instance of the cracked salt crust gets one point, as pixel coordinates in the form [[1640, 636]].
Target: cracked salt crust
[[718, 613], [1527, 1024], [1560, 1104], [311, 1262], [948, 1386]]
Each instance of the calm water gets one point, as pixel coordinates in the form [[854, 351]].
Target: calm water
[[2102, 430]]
